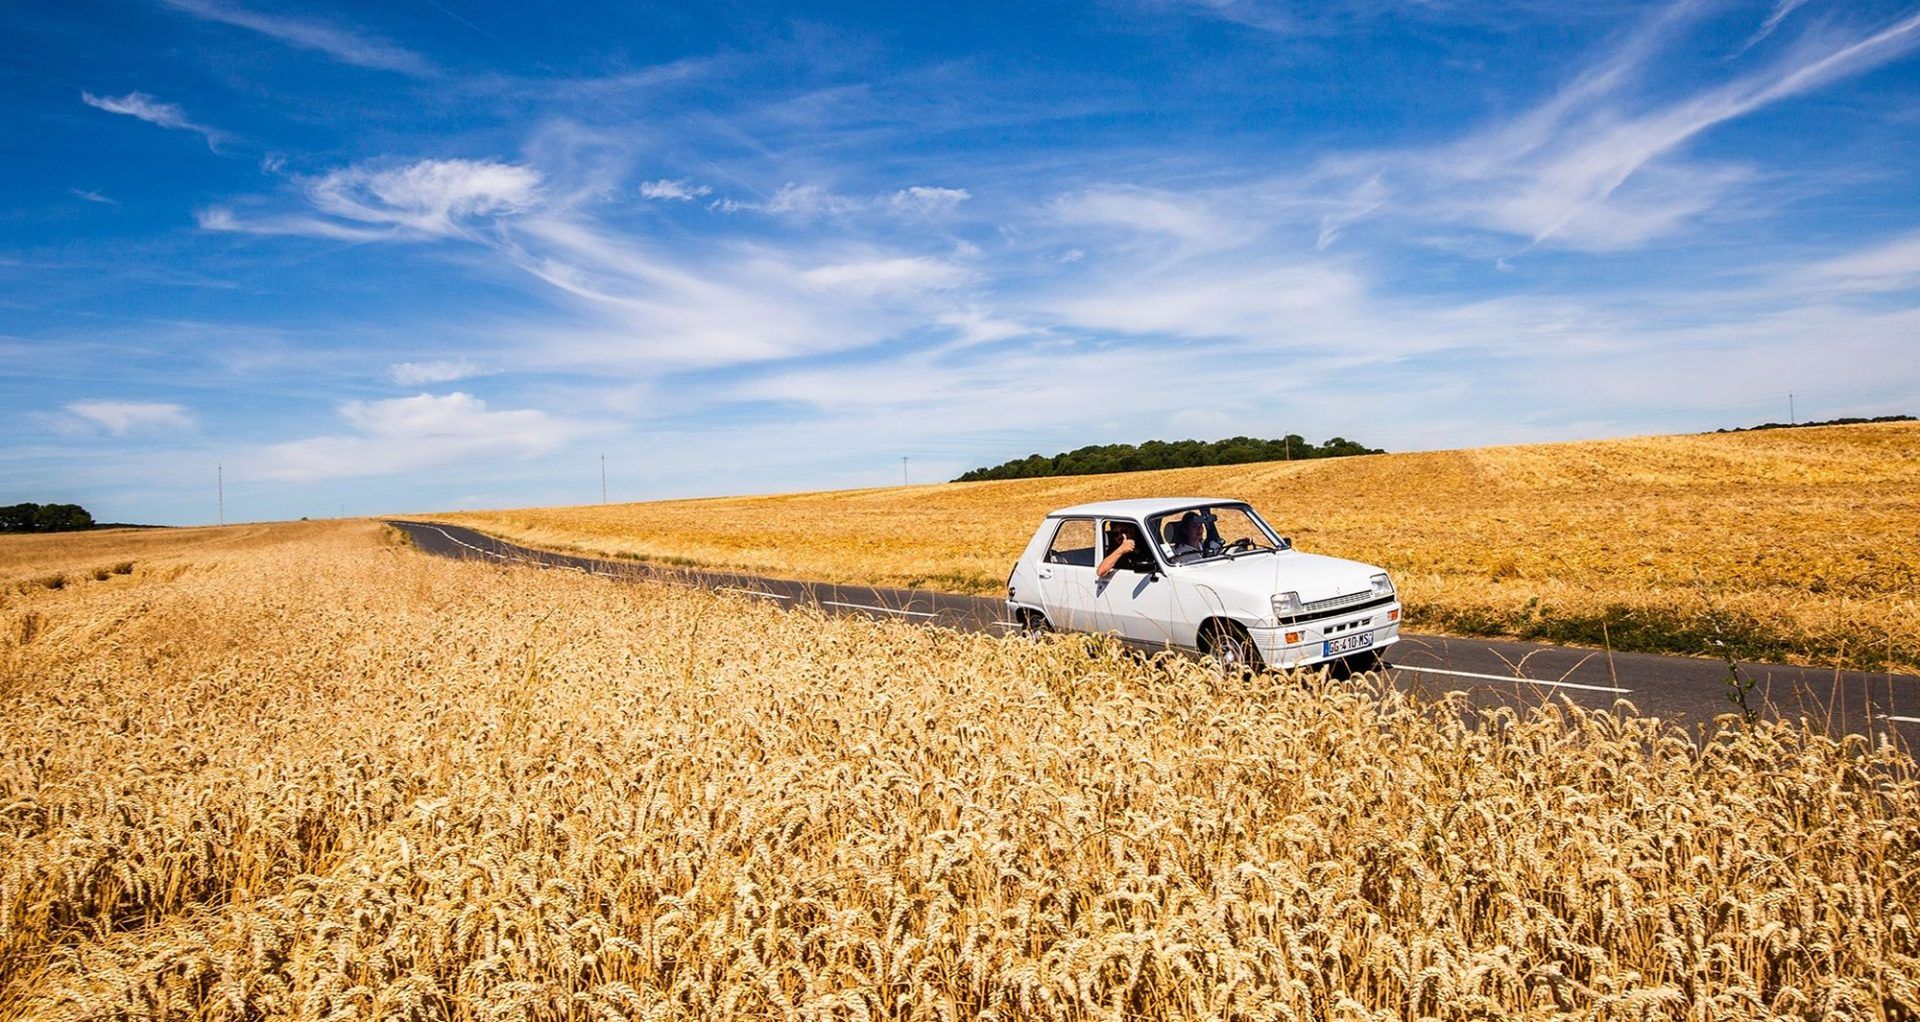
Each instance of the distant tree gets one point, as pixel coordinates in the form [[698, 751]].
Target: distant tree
[[1100, 459], [44, 518]]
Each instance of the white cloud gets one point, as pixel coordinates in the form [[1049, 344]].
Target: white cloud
[[339, 43], [924, 201], [1148, 211], [674, 189], [876, 276], [1781, 8], [122, 418], [809, 201], [1891, 266], [1586, 171], [222, 219], [739, 304], [806, 202], [428, 196], [413, 434], [414, 374], [146, 108], [973, 325], [92, 196]]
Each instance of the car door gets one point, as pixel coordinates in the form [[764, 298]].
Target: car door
[[1137, 600], [1065, 575]]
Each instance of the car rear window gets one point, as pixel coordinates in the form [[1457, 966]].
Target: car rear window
[[1073, 543]]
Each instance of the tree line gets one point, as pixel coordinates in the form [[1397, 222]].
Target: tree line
[[44, 518], [1850, 421], [1100, 459]]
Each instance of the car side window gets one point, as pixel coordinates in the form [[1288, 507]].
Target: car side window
[[1073, 543], [1141, 559]]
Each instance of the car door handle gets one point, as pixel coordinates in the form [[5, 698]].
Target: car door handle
[[1044, 572]]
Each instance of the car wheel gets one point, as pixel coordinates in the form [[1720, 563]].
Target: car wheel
[[1230, 649], [1032, 622]]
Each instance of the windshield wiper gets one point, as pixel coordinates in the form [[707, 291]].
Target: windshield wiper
[[1253, 550]]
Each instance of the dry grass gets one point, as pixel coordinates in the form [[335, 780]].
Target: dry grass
[[1794, 545], [315, 774]]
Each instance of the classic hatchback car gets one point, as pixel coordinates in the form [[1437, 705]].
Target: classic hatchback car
[[1200, 574]]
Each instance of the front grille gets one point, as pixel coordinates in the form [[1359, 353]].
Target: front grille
[[1338, 605], [1335, 603]]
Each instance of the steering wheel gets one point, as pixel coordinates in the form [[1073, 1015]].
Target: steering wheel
[[1243, 543]]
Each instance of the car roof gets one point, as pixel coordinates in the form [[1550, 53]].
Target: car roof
[[1138, 507]]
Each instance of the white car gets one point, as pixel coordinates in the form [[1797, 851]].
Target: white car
[[1206, 575]]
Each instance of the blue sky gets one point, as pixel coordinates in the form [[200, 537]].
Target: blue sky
[[436, 253]]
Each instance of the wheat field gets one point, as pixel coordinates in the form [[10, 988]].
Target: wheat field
[[1798, 546], [307, 772]]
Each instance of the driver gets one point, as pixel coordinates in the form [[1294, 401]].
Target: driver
[[1190, 538]]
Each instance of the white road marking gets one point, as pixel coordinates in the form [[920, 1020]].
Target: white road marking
[[1502, 677], [1005, 624], [1903, 720], [469, 546], [753, 592], [869, 606]]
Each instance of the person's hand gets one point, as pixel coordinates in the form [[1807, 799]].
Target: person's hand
[[1126, 545]]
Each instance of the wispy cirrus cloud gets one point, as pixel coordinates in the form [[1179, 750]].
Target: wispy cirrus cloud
[[141, 106], [1781, 9], [1586, 170], [342, 44], [901, 274], [224, 220], [812, 201], [428, 196], [414, 434], [422, 199], [128, 418], [443, 370], [1154, 213], [1889, 266], [674, 189], [922, 200]]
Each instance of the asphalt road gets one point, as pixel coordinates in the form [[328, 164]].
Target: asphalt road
[[1490, 671]]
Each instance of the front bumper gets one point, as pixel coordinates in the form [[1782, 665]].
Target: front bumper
[[1302, 645]]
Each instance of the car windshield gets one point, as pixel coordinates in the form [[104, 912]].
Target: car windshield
[[1212, 531]]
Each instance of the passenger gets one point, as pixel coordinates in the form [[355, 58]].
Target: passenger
[[1120, 543]]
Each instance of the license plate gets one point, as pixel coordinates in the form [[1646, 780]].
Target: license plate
[[1348, 643]]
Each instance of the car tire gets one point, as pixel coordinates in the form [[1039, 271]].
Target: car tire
[[1230, 649], [1032, 622]]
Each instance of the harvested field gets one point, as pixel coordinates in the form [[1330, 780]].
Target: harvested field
[[1798, 546], [304, 771]]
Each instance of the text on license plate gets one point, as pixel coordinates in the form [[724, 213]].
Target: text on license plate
[[1348, 643]]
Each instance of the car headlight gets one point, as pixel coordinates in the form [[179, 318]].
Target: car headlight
[[1382, 585], [1286, 604]]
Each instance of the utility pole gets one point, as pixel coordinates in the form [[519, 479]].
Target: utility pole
[[1288, 442], [603, 479], [903, 472], [220, 487], [1791, 421]]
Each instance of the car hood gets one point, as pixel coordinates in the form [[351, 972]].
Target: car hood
[[1313, 576]]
